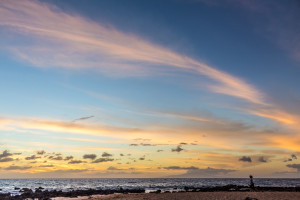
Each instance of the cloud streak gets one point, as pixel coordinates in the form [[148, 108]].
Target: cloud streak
[[19, 123], [295, 166], [77, 43], [61, 40], [83, 118], [14, 167], [100, 160], [194, 172]]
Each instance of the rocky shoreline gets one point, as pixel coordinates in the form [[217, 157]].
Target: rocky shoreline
[[41, 194]]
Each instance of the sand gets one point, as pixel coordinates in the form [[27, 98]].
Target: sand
[[195, 196]]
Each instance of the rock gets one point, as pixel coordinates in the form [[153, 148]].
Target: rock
[[249, 198]]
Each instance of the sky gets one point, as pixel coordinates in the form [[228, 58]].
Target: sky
[[132, 89]]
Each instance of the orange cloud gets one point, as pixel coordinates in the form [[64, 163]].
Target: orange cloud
[[277, 115], [77, 128], [207, 134], [291, 142]]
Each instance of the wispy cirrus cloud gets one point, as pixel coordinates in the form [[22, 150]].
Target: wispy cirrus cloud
[[184, 116], [73, 42], [64, 126], [62, 40], [275, 114]]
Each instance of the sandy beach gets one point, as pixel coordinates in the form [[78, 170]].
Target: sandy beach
[[195, 196]]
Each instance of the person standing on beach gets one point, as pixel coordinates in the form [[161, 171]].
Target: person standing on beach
[[251, 182]]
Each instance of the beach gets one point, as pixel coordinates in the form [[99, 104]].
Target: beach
[[136, 189], [194, 196]]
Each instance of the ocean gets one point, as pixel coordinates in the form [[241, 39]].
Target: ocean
[[149, 184]]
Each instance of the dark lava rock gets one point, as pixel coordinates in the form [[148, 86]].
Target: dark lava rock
[[249, 198], [39, 194]]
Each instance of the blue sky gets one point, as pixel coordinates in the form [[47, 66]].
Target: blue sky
[[178, 83]]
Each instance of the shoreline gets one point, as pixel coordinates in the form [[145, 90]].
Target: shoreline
[[39, 193], [193, 196]]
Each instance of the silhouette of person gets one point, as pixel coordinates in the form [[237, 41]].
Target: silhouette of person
[[251, 182]]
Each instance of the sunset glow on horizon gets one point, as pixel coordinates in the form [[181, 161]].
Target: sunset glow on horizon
[[121, 89]]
